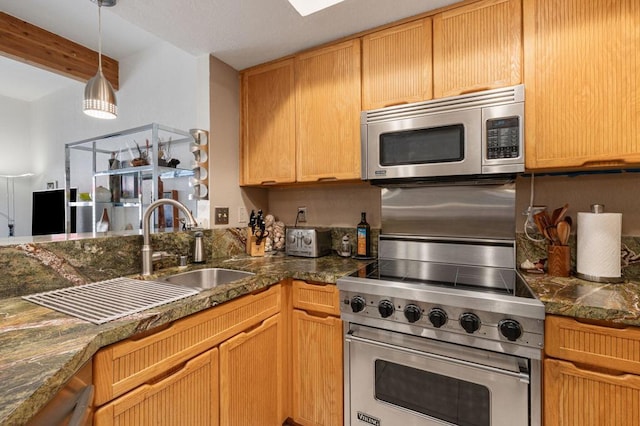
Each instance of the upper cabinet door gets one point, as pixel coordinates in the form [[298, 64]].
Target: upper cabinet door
[[328, 113], [582, 79], [476, 47], [396, 65], [268, 124]]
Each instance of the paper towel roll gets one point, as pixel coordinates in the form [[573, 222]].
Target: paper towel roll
[[599, 236]]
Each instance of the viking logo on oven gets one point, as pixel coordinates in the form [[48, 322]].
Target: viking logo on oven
[[368, 419]]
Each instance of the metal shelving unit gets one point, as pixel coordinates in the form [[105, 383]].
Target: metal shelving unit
[[131, 187]]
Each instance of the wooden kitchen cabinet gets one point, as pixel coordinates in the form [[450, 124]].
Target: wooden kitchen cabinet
[[319, 298], [397, 64], [268, 141], [251, 376], [591, 374], [477, 46], [186, 397], [582, 82], [328, 113], [141, 360], [317, 350]]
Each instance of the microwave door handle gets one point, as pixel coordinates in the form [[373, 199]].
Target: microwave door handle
[[350, 337]]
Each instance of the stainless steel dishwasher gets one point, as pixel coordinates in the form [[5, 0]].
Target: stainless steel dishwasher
[[72, 405]]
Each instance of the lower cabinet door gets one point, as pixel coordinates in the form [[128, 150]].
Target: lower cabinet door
[[251, 376], [317, 369], [578, 397], [188, 396]]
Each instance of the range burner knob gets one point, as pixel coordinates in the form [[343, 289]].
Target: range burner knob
[[412, 313], [358, 303], [470, 322], [385, 308], [438, 317], [511, 329]]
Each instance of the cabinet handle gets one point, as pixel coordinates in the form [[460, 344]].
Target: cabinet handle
[[598, 324], [144, 334], [609, 162], [395, 104], [598, 373], [327, 179], [475, 89], [268, 182]]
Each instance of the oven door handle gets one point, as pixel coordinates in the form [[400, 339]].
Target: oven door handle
[[350, 337]]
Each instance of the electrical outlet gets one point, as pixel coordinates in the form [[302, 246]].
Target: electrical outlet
[[533, 210], [221, 216], [302, 214]]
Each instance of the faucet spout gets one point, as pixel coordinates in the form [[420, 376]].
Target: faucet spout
[[147, 251]]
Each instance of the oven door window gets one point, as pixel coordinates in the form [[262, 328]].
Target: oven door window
[[443, 144], [448, 399]]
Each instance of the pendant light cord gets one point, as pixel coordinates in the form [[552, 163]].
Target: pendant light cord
[[99, 36]]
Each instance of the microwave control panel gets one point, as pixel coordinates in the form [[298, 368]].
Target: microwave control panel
[[503, 138]]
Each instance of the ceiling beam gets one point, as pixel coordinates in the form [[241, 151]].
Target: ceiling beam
[[27, 43]]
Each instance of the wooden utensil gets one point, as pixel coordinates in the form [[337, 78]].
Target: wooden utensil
[[553, 234], [539, 219], [564, 229], [558, 214]]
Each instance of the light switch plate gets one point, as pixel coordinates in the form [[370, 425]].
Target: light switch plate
[[221, 216], [242, 215]]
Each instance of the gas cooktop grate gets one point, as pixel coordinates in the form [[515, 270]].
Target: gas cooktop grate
[[109, 300]]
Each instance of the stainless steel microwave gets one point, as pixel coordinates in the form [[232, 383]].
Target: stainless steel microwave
[[473, 134]]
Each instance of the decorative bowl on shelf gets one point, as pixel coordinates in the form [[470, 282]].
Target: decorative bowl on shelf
[[139, 162], [103, 195]]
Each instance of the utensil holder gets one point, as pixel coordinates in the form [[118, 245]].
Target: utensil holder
[[254, 249], [558, 260]]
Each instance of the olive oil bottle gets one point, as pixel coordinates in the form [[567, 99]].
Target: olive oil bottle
[[363, 237]]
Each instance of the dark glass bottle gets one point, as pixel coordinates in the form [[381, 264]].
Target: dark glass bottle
[[363, 237]]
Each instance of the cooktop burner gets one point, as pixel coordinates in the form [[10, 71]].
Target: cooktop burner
[[463, 277]]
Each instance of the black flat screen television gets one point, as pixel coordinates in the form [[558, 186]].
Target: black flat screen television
[[47, 215]]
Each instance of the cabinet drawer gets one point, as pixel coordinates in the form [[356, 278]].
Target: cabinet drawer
[[322, 298], [186, 397], [574, 396], [130, 363], [606, 347]]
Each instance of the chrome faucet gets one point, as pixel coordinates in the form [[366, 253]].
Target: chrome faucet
[[147, 251]]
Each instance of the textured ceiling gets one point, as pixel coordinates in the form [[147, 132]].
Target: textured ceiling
[[241, 33]]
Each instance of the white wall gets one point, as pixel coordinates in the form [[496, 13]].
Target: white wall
[[224, 148], [156, 85], [161, 84], [15, 159]]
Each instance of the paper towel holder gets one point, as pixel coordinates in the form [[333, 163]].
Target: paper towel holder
[[599, 208]]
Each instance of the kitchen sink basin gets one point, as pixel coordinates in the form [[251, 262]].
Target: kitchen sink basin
[[203, 279]]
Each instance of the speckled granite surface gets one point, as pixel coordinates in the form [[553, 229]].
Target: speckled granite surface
[[41, 349], [571, 296]]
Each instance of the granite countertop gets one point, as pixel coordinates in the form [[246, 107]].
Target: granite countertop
[[574, 297], [41, 349]]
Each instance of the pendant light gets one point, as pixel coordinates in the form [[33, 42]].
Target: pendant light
[[99, 97]]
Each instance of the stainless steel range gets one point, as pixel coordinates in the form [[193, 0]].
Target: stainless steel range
[[442, 330]]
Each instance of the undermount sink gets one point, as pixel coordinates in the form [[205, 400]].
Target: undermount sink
[[203, 279]]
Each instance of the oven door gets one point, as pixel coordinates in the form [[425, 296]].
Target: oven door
[[396, 379], [443, 144]]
